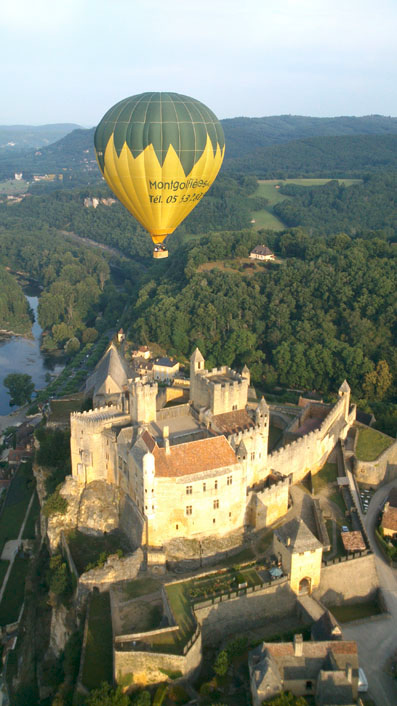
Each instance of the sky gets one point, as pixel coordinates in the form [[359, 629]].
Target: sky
[[71, 60]]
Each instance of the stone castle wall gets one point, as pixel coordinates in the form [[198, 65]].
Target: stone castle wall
[[227, 617], [347, 581], [310, 452], [382, 470], [141, 668], [268, 505]]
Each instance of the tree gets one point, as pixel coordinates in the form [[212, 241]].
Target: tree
[[378, 381], [221, 664], [20, 388], [105, 695]]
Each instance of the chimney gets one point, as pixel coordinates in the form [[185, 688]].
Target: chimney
[[166, 439], [298, 645], [349, 672], [288, 542]]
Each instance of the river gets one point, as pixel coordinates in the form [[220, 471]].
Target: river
[[22, 355]]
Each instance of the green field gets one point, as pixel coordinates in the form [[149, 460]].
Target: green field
[[265, 218], [12, 187]]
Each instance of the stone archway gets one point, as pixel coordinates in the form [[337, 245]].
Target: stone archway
[[305, 585]]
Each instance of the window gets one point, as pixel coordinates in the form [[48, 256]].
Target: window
[[234, 407], [204, 487], [216, 485], [216, 504], [189, 509], [213, 520], [189, 490], [253, 456], [176, 526], [230, 514], [229, 480]]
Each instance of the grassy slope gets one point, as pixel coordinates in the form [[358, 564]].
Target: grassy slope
[[371, 444]]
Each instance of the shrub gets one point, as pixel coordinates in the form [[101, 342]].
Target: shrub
[[55, 505]]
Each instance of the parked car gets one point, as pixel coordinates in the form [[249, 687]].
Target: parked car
[[345, 528], [362, 681]]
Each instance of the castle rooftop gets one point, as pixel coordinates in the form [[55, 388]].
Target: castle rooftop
[[224, 377], [232, 422], [194, 457]]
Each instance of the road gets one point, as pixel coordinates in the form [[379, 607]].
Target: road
[[377, 638]]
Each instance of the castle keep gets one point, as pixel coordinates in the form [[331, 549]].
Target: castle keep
[[202, 468]]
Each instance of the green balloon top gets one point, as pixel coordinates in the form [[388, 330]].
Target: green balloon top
[[160, 119]]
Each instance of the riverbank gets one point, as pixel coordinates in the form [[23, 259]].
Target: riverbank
[[17, 418]]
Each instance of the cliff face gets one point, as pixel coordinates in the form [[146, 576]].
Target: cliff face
[[93, 509]]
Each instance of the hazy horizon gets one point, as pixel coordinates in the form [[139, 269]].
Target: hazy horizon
[[69, 62]]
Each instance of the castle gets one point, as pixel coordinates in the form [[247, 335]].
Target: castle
[[203, 468]]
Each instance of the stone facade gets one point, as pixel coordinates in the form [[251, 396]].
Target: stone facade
[[300, 553], [200, 469]]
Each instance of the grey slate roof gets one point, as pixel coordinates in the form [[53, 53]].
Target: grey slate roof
[[301, 538], [110, 365], [165, 362]]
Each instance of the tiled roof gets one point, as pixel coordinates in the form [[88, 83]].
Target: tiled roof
[[353, 541], [230, 422], [192, 457], [389, 519]]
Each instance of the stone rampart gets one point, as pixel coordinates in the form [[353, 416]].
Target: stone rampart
[[348, 580], [382, 470], [141, 667]]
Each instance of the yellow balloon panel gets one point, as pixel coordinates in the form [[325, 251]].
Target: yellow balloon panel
[[159, 196]]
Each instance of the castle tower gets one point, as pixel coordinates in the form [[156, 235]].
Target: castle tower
[[196, 362], [344, 392], [262, 413], [197, 368], [143, 401], [245, 373]]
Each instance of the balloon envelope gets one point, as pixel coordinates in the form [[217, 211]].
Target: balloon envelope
[[159, 153]]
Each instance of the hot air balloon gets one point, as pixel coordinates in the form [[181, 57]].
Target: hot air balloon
[[159, 153]]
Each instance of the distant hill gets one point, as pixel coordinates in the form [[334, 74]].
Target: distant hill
[[73, 156], [25, 137], [345, 156], [272, 147], [246, 135]]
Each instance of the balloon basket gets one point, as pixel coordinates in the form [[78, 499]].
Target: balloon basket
[[159, 254]]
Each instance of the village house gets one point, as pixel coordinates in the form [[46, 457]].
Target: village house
[[327, 671], [262, 252]]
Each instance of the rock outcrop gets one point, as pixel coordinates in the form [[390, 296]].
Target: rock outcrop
[[99, 508], [93, 509]]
